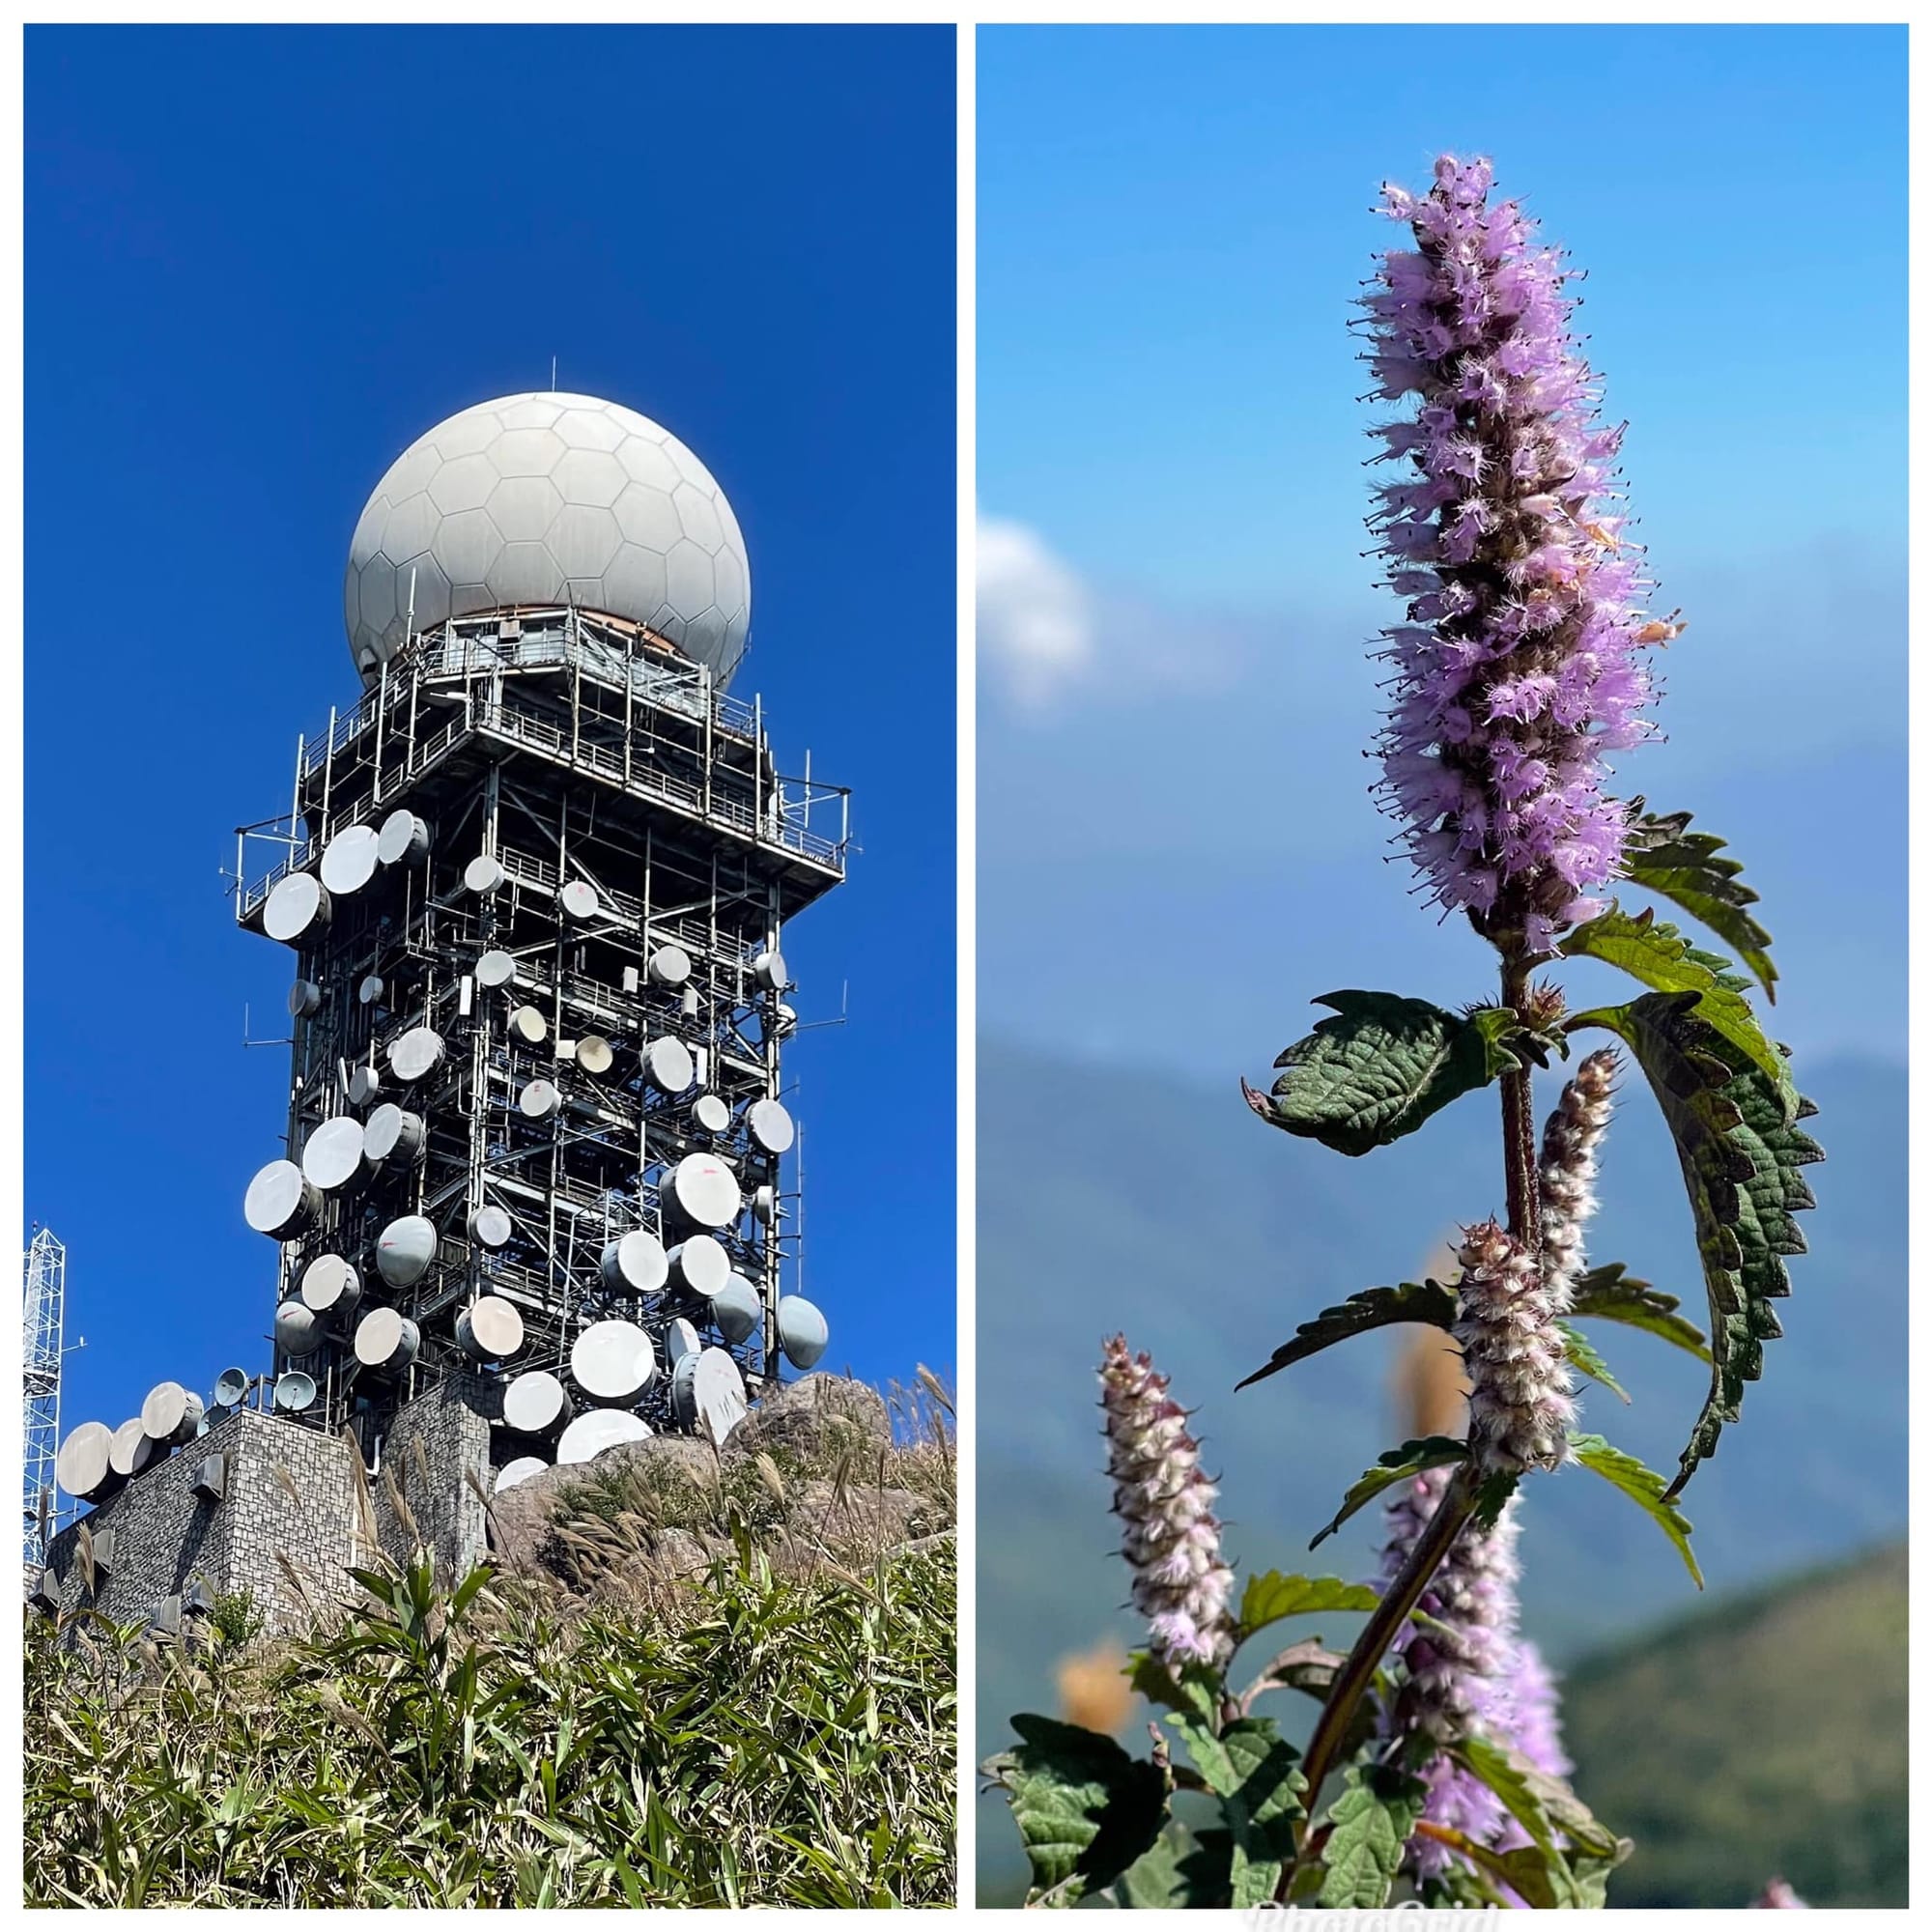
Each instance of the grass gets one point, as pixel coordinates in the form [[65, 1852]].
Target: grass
[[778, 1732]]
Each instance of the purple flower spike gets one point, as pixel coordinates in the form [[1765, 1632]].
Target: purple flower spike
[[1522, 661]]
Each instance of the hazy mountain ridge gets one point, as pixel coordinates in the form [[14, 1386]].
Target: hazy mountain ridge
[[1112, 1198]]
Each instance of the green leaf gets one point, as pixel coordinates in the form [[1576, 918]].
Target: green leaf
[[1086, 1810], [1372, 1308], [1183, 1869], [1271, 1596], [1740, 1154], [1428, 1452], [1608, 1293], [1194, 1690], [1262, 1809], [1583, 1357], [1661, 957], [1664, 856], [1380, 1068], [1372, 1820], [1644, 1486]]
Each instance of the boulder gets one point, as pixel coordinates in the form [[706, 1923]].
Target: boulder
[[815, 1419]]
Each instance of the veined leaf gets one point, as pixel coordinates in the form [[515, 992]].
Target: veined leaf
[[1644, 1488], [1570, 1852], [1086, 1810], [1252, 1769], [1610, 1293], [1371, 1823], [1271, 1596], [1583, 1357], [1380, 1066], [1194, 1690], [1661, 957], [1739, 1156], [1664, 856], [1428, 1452], [1372, 1308], [1182, 1870]]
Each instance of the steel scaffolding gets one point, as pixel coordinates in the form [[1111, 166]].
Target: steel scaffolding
[[42, 1316]]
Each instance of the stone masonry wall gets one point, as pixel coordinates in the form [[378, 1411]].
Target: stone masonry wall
[[431, 1448], [287, 1490]]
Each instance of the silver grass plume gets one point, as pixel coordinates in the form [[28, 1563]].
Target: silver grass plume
[[1170, 1534]]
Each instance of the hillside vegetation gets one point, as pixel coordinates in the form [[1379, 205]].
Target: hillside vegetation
[[736, 1689], [1763, 1736]]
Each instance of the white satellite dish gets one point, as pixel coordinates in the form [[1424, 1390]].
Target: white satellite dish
[[304, 999], [298, 1328], [386, 1340], [132, 1449], [668, 1064], [332, 1156], [718, 1395], [364, 1084], [613, 1362], [634, 1264], [669, 966], [330, 1287], [349, 863], [171, 1413], [594, 1054], [700, 1192], [710, 1114], [83, 1468], [404, 838], [683, 1397], [596, 1430], [415, 1053], [490, 1226], [579, 900], [370, 990], [802, 1331], [296, 905], [519, 1471], [496, 969], [394, 1133], [404, 1250], [490, 1329], [539, 1100], [483, 875], [529, 1026], [700, 1264], [770, 1126], [535, 1404], [736, 1310], [768, 969], [680, 1340], [281, 1200]]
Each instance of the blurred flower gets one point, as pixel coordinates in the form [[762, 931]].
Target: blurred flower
[[1521, 659], [1093, 1689], [1170, 1534], [1778, 1896]]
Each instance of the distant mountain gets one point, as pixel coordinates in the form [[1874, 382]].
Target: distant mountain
[[1112, 1198]]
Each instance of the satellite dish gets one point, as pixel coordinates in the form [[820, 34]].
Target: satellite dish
[[539, 1100], [406, 1249], [171, 1413], [483, 875], [364, 1084], [332, 1155], [669, 966], [802, 1331], [490, 1329], [83, 1468], [404, 838], [718, 1394], [768, 969], [371, 989], [349, 861], [680, 1340], [386, 1340], [231, 1387], [614, 1361], [496, 969], [535, 1404], [295, 1391], [414, 1053], [579, 900], [330, 1287], [298, 905], [490, 1227], [298, 1328], [784, 1021], [281, 1200], [529, 1026], [683, 1398], [304, 999], [594, 1054], [395, 1133], [736, 1310], [519, 1471], [700, 1264], [132, 1449], [634, 1264], [770, 1126], [711, 1113], [669, 1065], [700, 1192], [596, 1430], [765, 1205]]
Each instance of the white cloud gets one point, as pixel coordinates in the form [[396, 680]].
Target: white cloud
[[1035, 617]]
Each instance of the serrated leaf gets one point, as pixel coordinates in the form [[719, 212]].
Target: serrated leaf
[[1661, 957], [1428, 1452], [1371, 1823], [1739, 1156], [1610, 1293], [1380, 1067], [1644, 1486], [1086, 1810], [1271, 1596], [1371, 1308], [1582, 1357], [1664, 856], [1262, 1809], [1195, 1689], [1561, 1828], [1184, 1869]]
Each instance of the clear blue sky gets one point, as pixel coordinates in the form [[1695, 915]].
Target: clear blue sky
[[259, 263], [1173, 223]]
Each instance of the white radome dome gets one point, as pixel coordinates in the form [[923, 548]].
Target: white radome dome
[[544, 500]]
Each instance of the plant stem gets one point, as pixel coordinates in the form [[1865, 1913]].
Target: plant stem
[[1352, 1680], [1525, 1222]]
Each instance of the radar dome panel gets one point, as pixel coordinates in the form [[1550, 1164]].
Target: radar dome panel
[[543, 500]]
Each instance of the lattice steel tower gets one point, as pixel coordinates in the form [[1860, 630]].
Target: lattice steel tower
[[535, 884], [42, 1314]]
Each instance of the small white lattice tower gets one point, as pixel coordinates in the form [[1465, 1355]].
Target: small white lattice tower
[[41, 1318]]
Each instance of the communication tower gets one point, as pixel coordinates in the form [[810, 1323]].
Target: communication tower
[[42, 1316]]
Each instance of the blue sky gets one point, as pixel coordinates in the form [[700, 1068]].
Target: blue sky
[[260, 263], [1177, 846]]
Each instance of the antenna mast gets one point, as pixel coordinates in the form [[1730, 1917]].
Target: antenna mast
[[40, 1319]]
